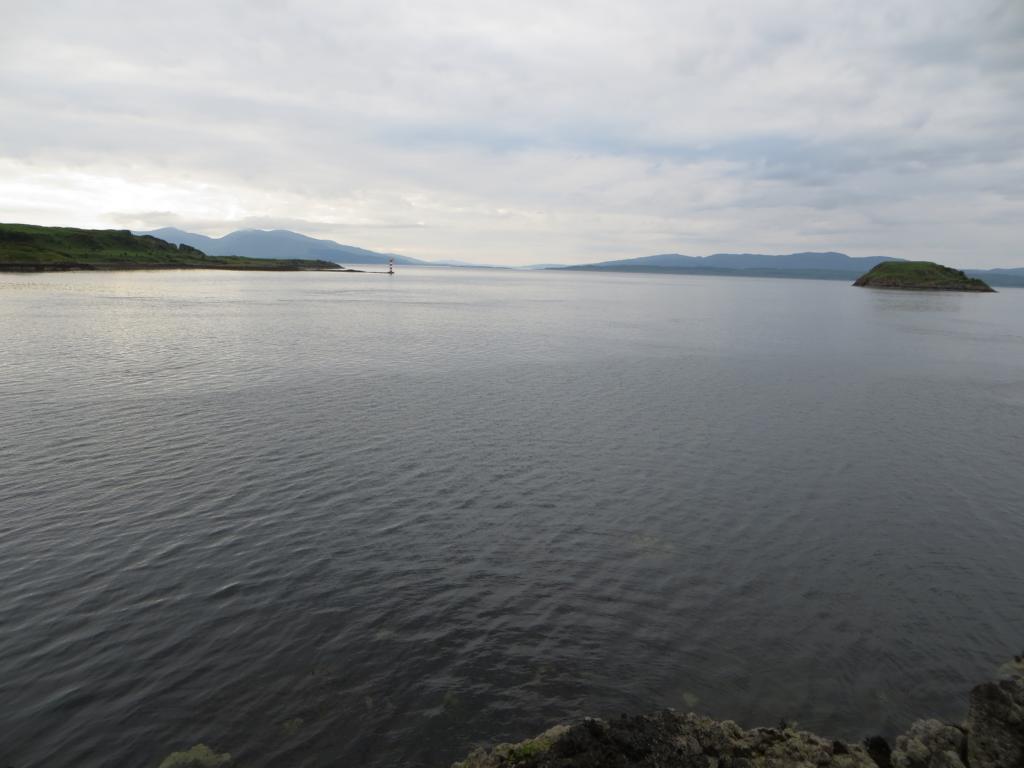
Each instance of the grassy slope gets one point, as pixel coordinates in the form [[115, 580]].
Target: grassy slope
[[919, 275], [28, 247]]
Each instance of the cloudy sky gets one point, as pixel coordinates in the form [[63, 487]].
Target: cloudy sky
[[521, 132]]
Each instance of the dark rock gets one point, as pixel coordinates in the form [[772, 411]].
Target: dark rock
[[879, 750], [671, 740], [996, 723], [992, 737]]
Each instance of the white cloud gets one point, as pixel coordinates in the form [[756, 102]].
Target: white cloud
[[529, 131]]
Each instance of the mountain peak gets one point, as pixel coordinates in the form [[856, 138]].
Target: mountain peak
[[278, 244]]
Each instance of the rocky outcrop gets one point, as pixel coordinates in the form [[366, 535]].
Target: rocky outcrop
[[995, 722], [672, 740], [930, 744], [991, 737]]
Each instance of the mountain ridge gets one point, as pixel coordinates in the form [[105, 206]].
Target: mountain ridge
[[817, 265], [831, 260], [277, 244]]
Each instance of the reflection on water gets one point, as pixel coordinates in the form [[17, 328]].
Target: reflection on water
[[888, 300], [340, 519]]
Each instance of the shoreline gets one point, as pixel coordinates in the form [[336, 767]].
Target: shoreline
[[82, 267], [991, 736], [30, 248]]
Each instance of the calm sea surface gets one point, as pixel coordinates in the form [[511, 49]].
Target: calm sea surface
[[353, 520]]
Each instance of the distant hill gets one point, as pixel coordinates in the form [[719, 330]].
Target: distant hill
[[1004, 278], [278, 244], [30, 248], [819, 265], [460, 264], [828, 261]]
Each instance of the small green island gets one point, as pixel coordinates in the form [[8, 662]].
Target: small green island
[[920, 276], [29, 248]]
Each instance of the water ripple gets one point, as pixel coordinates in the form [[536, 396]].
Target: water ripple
[[372, 523]]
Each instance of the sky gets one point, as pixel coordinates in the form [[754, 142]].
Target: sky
[[525, 132]]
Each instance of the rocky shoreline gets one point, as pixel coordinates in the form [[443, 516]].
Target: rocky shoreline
[[991, 736]]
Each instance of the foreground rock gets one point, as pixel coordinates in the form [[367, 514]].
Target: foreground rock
[[668, 739], [991, 737], [930, 744], [995, 722]]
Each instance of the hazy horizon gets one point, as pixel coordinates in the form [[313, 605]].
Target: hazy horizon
[[528, 134], [552, 264]]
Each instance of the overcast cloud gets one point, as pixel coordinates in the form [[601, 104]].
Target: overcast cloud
[[519, 132]]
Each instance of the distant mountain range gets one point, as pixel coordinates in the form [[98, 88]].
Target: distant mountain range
[[829, 260], [828, 265], [278, 244], [284, 244]]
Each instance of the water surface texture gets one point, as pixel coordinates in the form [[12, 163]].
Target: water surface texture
[[353, 520]]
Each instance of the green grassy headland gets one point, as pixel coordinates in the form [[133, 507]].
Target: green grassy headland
[[29, 248]]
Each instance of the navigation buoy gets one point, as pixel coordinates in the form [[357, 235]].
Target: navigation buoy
[[391, 265]]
